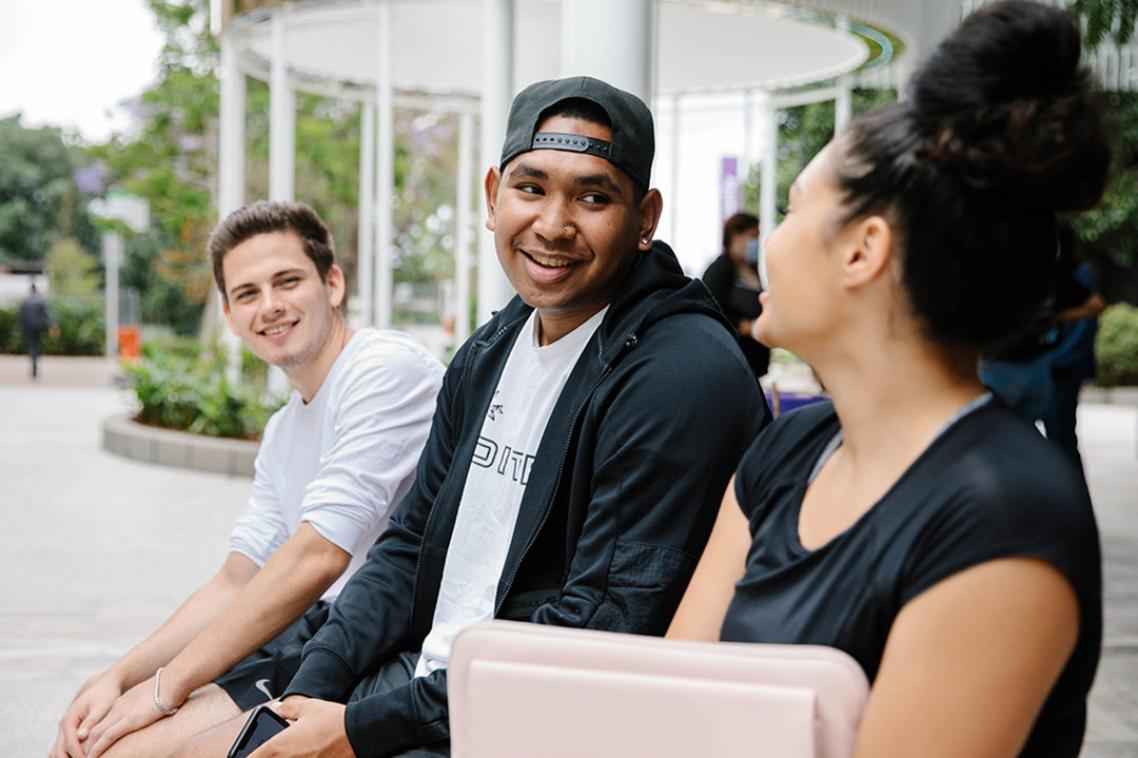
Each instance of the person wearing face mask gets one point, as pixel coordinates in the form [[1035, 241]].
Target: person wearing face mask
[[733, 279]]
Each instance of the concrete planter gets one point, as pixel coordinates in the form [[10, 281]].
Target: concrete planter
[[124, 437], [1109, 395]]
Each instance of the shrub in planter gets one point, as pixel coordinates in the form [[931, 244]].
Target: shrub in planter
[[9, 331], [194, 396], [81, 322], [1116, 347]]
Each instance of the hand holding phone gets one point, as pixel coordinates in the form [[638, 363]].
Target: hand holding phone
[[259, 728]]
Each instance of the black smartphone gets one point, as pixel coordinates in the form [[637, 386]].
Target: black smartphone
[[261, 725]]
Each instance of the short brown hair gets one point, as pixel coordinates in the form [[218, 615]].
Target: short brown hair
[[267, 217], [737, 223]]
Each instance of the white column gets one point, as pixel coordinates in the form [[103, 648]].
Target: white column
[[365, 247], [610, 40], [231, 148], [768, 157], [384, 170], [748, 134], [494, 289], [282, 116], [231, 169], [843, 105], [112, 259], [282, 145], [463, 218], [674, 183]]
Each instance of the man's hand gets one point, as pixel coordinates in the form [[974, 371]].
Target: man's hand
[[131, 712], [88, 708], [317, 730]]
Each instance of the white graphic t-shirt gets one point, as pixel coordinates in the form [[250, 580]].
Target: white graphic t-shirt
[[530, 385]]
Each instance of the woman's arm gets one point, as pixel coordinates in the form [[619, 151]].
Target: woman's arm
[[705, 602], [970, 661]]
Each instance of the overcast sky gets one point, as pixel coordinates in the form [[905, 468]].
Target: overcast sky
[[69, 63]]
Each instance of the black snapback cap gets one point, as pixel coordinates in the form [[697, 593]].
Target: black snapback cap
[[633, 136]]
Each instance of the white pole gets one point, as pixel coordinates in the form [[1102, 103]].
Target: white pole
[[497, 88], [365, 248], [282, 116], [112, 258], [674, 183], [843, 105], [231, 169], [610, 40], [385, 171], [768, 155], [462, 227], [282, 145], [748, 134]]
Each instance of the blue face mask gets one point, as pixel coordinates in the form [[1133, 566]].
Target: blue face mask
[[751, 254]]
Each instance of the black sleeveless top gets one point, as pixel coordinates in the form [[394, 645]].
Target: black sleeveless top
[[988, 487]]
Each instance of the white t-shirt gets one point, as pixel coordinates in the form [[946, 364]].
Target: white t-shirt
[[343, 461], [530, 385]]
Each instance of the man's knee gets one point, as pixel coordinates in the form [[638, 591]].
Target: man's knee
[[207, 707], [213, 742]]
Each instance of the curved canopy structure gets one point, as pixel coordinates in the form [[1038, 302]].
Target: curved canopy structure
[[700, 46], [725, 62]]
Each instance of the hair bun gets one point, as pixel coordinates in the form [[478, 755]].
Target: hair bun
[[1003, 103]]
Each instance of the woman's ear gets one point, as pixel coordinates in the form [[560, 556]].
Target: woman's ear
[[868, 251]]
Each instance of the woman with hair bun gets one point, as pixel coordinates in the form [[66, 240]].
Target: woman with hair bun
[[914, 522]]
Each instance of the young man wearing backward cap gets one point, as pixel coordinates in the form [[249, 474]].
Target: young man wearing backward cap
[[582, 440]]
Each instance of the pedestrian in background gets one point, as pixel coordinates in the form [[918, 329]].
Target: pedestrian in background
[[1072, 363], [733, 279], [35, 319]]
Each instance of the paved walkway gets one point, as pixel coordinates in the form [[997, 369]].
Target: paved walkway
[[96, 550]]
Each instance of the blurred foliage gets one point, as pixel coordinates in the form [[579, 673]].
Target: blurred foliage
[[39, 199], [190, 392], [1116, 347], [80, 321], [171, 160], [10, 341], [802, 133], [72, 270], [1110, 230], [1103, 19], [82, 326]]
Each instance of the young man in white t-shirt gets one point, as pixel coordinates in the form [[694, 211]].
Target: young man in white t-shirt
[[333, 463]]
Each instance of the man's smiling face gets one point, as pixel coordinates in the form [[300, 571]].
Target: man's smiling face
[[278, 305], [566, 225]]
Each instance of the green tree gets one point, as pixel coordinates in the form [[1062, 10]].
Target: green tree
[[170, 159], [38, 197], [72, 270], [802, 133], [1104, 19]]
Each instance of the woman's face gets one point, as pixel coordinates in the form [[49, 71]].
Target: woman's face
[[802, 300]]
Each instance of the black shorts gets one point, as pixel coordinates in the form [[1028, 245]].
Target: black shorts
[[265, 673]]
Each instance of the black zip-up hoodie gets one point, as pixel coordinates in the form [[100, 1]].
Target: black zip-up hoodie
[[620, 501]]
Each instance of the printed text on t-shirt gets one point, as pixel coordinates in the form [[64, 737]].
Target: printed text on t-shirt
[[510, 463]]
